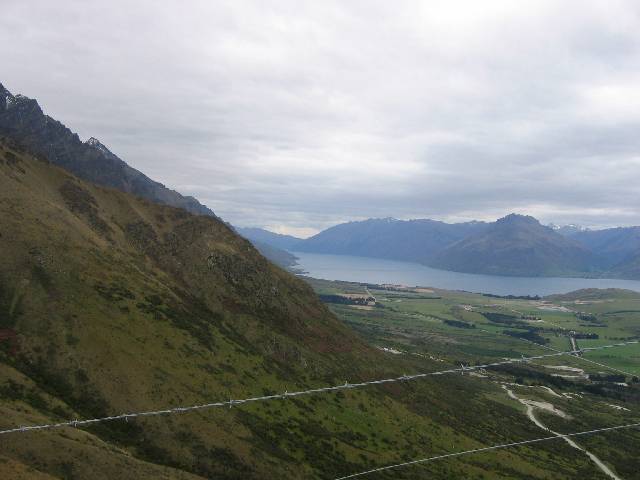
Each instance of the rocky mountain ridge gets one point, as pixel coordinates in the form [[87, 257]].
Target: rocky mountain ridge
[[22, 119]]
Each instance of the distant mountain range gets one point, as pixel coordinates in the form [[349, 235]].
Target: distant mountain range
[[515, 245], [615, 245], [618, 249], [411, 240], [285, 242]]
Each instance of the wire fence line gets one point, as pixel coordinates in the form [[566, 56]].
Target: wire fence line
[[232, 402], [513, 444], [547, 347], [486, 449]]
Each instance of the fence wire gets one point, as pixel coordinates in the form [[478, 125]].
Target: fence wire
[[279, 396]]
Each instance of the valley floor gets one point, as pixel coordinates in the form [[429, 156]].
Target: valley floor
[[564, 394]]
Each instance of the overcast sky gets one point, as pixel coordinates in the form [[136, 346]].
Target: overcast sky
[[296, 115]]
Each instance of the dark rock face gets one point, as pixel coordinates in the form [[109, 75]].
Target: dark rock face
[[4, 94], [22, 118]]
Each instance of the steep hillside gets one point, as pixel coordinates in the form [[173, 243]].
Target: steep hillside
[[276, 255], [22, 118], [410, 240], [272, 245], [628, 268], [112, 304], [517, 245]]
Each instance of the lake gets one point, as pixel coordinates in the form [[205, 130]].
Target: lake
[[376, 270]]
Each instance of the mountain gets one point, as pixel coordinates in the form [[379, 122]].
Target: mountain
[[567, 230], [629, 268], [617, 246], [517, 245], [283, 242], [514, 245], [409, 240], [21, 118], [110, 303]]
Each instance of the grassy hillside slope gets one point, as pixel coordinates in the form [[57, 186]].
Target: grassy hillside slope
[[119, 305], [112, 304], [278, 256]]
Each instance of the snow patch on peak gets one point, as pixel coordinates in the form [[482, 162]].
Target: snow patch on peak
[[570, 228], [98, 145]]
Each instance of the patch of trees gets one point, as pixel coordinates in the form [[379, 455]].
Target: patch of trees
[[612, 378], [530, 335], [608, 390], [502, 318], [534, 377], [339, 299], [585, 336], [587, 317], [513, 297], [413, 297], [459, 324]]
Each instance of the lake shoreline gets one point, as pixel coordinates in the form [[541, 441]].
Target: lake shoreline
[[382, 271]]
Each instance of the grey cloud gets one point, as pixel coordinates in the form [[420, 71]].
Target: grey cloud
[[304, 114]]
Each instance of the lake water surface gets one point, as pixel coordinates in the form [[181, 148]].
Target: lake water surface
[[375, 270]]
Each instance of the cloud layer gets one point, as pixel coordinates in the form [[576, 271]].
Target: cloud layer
[[298, 115]]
